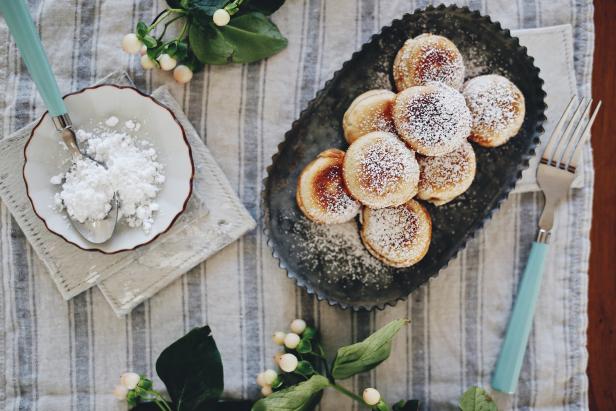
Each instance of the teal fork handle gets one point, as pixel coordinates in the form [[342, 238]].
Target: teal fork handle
[[509, 363], [22, 28]]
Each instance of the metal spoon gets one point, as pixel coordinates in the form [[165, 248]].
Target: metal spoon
[[22, 28]]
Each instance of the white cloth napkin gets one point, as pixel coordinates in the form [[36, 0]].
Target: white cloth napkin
[[552, 49], [213, 219]]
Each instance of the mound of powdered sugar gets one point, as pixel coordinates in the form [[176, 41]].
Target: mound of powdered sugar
[[132, 172]]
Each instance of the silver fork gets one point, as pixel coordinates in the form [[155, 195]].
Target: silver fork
[[555, 173]]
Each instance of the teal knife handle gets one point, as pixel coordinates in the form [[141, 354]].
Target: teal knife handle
[[509, 363], [22, 28]]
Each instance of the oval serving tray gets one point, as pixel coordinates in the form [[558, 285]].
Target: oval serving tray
[[329, 261]]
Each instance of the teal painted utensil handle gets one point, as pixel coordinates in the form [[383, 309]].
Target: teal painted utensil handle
[[22, 28], [509, 363]]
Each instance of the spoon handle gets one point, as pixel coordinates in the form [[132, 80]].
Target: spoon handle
[[22, 28]]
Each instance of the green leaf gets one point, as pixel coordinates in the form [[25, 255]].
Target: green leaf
[[247, 38], [304, 368], [266, 7], [253, 37], [146, 406], [411, 405], [309, 333], [142, 30], [366, 355], [181, 51], [300, 397], [175, 4], [149, 41], [191, 368], [304, 346], [209, 45], [203, 9], [477, 399]]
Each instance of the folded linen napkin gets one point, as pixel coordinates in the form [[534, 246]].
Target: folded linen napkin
[[552, 49], [213, 219]]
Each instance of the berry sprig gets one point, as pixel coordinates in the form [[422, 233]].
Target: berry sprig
[[167, 55], [135, 388], [212, 32], [303, 357]]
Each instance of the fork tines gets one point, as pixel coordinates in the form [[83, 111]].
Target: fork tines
[[563, 149]]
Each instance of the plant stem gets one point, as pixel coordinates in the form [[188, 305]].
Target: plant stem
[[348, 393], [184, 30], [167, 25], [159, 400], [161, 17]]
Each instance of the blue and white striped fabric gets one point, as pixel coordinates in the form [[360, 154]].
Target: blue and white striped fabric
[[57, 355]]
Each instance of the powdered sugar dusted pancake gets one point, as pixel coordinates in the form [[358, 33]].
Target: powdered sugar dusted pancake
[[399, 236], [427, 58], [380, 171], [370, 111], [432, 119], [497, 109], [321, 194], [445, 177]]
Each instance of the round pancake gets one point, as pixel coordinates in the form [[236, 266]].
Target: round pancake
[[427, 58], [443, 178], [432, 119], [398, 236], [497, 109], [380, 171], [370, 111], [321, 194]]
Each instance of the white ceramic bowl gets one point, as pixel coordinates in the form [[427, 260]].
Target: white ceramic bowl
[[46, 156]]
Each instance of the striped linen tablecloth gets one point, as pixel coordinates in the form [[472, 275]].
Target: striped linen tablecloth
[[57, 355]]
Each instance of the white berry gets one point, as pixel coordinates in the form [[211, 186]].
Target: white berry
[[221, 17], [166, 62], [129, 380], [371, 396], [120, 392], [291, 340], [131, 44], [288, 362], [143, 49], [267, 390], [269, 376], [182, 74], [146, 62], [298, 326], [261, 379], [278, 337]]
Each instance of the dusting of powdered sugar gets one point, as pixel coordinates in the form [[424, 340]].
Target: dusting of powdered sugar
[[435, 121], [378, 120], [337, 254], [446, 170], [492, 101], [395, 232], [384, 163], [131, 171]]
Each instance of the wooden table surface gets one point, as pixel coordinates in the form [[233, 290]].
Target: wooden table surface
[[602, 287]]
